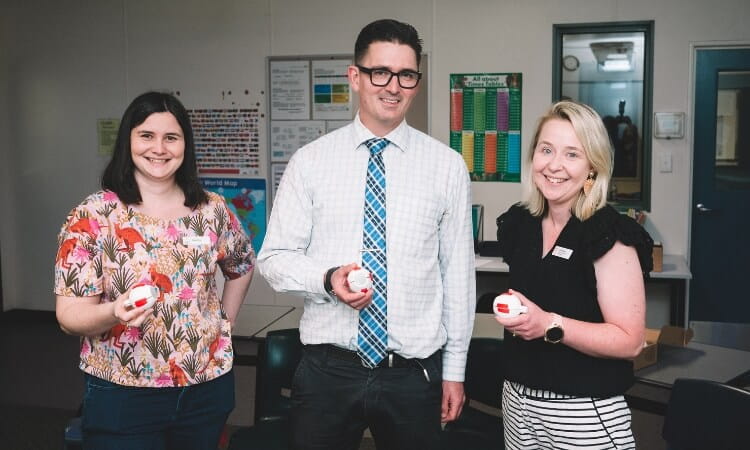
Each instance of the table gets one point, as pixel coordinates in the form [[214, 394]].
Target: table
[[485, 326], [696, 360], [675, 272]]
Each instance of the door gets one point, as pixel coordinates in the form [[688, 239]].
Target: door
[[720, 246]]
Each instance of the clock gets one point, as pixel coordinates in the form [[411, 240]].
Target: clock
[[570, 63]]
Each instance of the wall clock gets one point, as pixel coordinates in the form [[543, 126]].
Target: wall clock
[[570, 63]]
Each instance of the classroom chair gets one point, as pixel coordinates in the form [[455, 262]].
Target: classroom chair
[[704, 414], [277, 361], [477, 428], [72, 436]]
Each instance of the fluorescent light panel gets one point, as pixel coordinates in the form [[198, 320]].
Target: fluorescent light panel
[[615, 65]]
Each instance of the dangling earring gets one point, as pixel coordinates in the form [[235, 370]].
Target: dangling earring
[[589, 183]]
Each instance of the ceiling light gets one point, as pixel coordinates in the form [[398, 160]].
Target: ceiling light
[[615, 65], [613, 56]]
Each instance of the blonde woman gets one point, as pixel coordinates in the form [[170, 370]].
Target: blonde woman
[[578, 266]]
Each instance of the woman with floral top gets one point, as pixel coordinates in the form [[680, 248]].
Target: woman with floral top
[[156, 377]]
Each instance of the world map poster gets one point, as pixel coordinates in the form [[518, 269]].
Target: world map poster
[[246, 197]]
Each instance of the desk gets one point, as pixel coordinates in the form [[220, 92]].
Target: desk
[[709, 362], [490, 264], [485, 326], [675, 272]]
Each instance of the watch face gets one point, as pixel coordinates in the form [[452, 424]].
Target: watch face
[[570, 62], [554, 335]]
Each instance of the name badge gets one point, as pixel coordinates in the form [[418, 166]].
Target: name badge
[[562, 252], [195, 241]]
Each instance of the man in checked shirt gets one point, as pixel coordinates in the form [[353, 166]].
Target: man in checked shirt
[[382, 195]]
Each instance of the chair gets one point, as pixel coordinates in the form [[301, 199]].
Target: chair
[[485, 301], [277, 361], [73, 438], [476, 429], [704, 414]]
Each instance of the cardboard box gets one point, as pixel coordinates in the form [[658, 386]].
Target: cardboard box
[[668, 335], [658, 256]]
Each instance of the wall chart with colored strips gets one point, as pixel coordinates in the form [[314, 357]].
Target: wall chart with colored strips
[[485, 124]]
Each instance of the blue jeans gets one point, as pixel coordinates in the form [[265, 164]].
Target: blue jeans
[[119, 417]]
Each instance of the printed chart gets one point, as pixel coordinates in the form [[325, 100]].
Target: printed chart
[[485, 124]]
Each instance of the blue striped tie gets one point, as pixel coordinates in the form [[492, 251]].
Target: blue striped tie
[[372, 341]]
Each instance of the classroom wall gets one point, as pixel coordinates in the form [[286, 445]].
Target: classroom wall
[[65, 64]]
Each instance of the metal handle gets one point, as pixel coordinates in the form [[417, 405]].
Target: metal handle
[[703, 208]]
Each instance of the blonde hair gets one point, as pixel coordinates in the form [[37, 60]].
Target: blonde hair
[[589, 129]]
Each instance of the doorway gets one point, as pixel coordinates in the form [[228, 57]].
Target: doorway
[[720, 241]]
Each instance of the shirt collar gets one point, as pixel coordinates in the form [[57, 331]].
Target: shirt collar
[[399, 136]]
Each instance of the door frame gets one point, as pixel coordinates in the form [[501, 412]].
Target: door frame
[[690, 141]]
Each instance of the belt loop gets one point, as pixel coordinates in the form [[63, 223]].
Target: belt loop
[[390, 359]]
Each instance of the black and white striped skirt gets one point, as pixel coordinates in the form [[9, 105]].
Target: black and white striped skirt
[[539, 419]]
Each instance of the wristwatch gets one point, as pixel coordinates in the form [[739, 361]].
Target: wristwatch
[[554, 332], [327, 283]]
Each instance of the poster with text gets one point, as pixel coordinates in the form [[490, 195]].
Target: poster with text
[[290, 90], [485, 124], [289, 135], [277, 171], [106, 132], [332, 99], [246, 197], [336, 124]]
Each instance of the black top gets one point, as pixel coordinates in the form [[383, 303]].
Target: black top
[[567, 287]]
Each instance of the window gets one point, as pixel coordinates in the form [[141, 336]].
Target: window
[[609, 67]]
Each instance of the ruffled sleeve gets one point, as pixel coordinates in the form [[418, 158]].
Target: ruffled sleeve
[[608, 226], [508, 225]]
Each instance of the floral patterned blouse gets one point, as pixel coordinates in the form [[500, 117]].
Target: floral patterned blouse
[[106, 247]]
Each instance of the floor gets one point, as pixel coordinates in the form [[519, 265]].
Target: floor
[[40, 366], [39, 370]]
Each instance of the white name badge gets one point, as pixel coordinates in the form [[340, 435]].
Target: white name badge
[[195, 241], [562, 252]]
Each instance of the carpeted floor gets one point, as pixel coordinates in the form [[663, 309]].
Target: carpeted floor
[[41, 386], [32, 428]]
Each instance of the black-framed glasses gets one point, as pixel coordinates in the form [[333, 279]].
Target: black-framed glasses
[[380, 76]]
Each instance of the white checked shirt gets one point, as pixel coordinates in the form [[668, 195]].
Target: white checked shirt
[[316, 224]]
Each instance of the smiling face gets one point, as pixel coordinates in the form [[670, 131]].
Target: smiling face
[[382, 109], [157, 147], [559, 164]]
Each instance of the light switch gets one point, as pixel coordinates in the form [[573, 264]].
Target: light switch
[[665, 162]]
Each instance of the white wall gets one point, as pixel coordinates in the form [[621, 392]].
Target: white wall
[[65, 64]]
